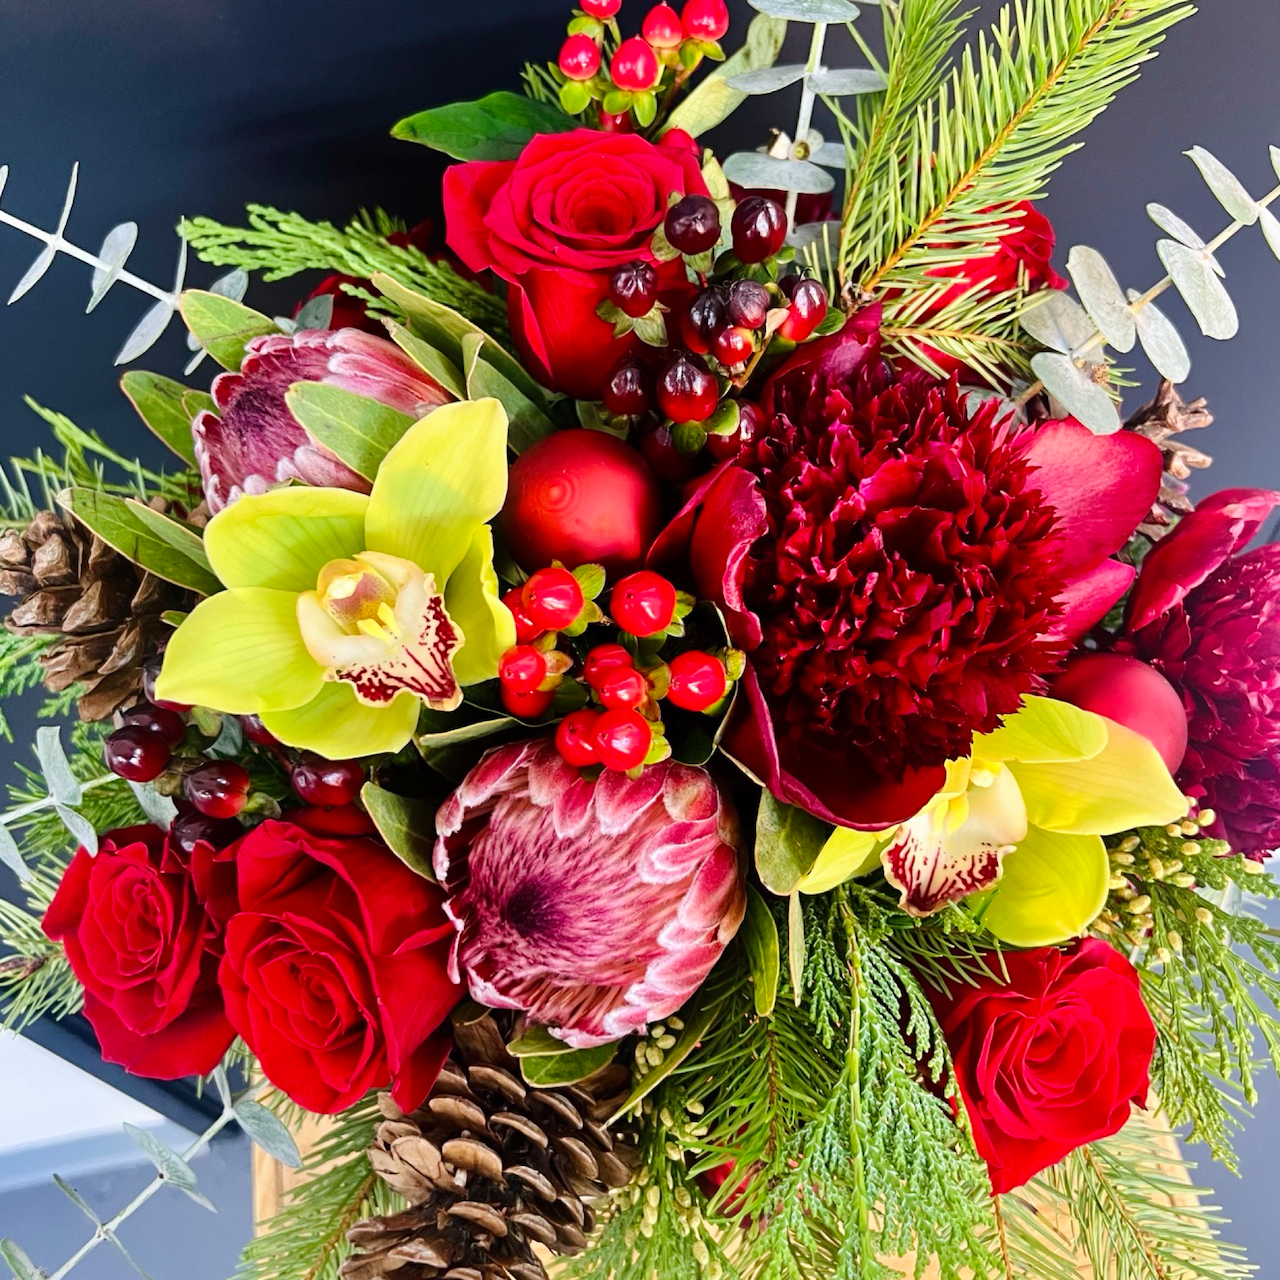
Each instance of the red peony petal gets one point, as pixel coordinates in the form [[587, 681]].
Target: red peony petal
[[731, 519], [1089, 598]]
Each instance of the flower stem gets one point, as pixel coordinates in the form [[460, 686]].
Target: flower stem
[[804, 121], [48, 802]]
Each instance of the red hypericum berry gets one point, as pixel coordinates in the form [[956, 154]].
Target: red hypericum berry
[[191, 829], [522, 669], [623, 687], [643, 603], [149, 676], [626, 391], [708, 313], [759, 229], [615, 122], [552, 599], [748, 304], [622, 739], [734, 345], [219, 789], [137, 754], [705, 19], [257, 732], [167, 725], [658, 447], [687, 392], [662, 27], [580, 57], [635, 66], [807, 311], [750, 420], [603, 659], [602, 9], [575, 738], [328, 784], [527, 631], [698, 681], [528, 706], [634, 288], [693, 225]]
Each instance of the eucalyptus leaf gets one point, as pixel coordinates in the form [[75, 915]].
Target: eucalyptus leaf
[[1169, 222], [147, 332], [162, 404], [1058, 321], [698, 1016], [1201, 290], [845, 83], [222, 1083], [21, 1266], [1102, 296], [526, 421], [76, 1199], [497, 127], [316, 313], [1162, 342], [788, 842], [831, 155], [754, 169], [81, 829], [1228, 190], [267, 1130], [1275, 159], [1270, 229], [172, 1168], [114, 253], [357, 429], [407, 827], [807, 10], [11, 855], [568, 1066], [223, 326], [764, 957], [1080, 395], [59, 777], [796, 946], [428, 359], [768, 79], [34, 273]]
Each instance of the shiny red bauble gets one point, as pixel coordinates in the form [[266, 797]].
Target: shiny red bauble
[[643, 603], [662, 28], [522, 669], [759, 229], [622, 687], [603, 659], [622, 739], [635, 66], [581, 497], [328, 784], [705, 19], [1131, 693], [580, 57], [698, 681], [527, 631], [602, 9], [552, 598], [575, 738], [218, 790]]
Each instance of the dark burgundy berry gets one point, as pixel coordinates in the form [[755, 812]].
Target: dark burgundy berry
[[192, 829], [734, 345], [626, 392], [257, 732], [750, 420], [807, 311], [167, 725], [698, 681], [693, 225], [748, 304], [328, 784], [707, 314], [137, 754], [218, 790], [658, 448], [687, 392], [634, 288], [643, 603], [150, 675], [759, 229]]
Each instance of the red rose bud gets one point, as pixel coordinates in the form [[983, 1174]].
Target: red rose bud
[[603, 659], [622, 740], [218, 790], [633, 288], [748, 304], [662, 27], [807, 311], [137, 755], [734, 346], [527, 631], [705, 19], [698, 681], [635, 66], [627, 393], [693, 225], [522, 669], [687, 392], [759, 229], [602, 9], [328, 784], [623, 687], [553, 599], [580, 57], [575, 738], [527, 706], [643, 604]]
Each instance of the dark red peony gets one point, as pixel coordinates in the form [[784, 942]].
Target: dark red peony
[[555, 224], [336, 968], [136, 936], [902, 567], [1206, 614], [1051, 1060]]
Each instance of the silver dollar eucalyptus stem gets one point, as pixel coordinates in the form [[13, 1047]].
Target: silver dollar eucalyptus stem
[[804, 122]]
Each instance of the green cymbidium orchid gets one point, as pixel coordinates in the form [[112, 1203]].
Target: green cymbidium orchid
[[343, 613], [1019, 823]]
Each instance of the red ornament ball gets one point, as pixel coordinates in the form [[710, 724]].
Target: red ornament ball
[[635, 66], [581, 497], [1131, 693], [643, 603], [580, 57]]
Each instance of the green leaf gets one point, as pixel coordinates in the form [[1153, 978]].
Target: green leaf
[[808, 10], [575, 97], [760, 937], [569, 1066], [526, 420], [407, 826], [223, 327], [788, 842], [768, 79], [443, 730], [591, 578], [1162, 342], [1058, 321], [266, 1129], [1227, 189], [11, 855], [357, 429], [172, 1168], [1102, 296], [160, 545], [162, 404], [1077, 390], [795, 945], [1201, 289], [646, 109], [62, 782], [537, 1042], [714, 101], [755, 169], [497, 127], [426, 357], [82, 831], [21, 1266]]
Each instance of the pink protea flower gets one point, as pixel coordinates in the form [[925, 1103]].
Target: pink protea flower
[[595, 905], [253, 442]]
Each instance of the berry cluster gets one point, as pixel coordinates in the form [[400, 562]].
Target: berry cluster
[[669, 48]]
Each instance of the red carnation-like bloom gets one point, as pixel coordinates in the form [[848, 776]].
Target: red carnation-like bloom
[[903, 567], [1208, 619]]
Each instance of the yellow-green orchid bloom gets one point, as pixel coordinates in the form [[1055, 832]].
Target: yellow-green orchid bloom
[[1020, 822], [345, 613]]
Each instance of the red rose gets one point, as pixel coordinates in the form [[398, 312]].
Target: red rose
[[135, 934], [1053, 1059], [555, 224], [336, 968]]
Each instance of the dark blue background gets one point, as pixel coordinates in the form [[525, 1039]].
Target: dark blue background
[[194, 106]]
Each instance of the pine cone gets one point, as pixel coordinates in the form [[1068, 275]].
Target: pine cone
[[70, 583], [491, 1168], [1163, 421]]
